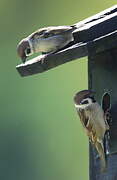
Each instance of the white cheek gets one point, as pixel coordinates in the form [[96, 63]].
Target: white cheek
[[82, 106]]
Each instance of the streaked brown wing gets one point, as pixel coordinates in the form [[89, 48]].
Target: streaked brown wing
[[88, 125], [52, 30], [84, 120]]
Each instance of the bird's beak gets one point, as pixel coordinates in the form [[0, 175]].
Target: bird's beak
[[22, 48]]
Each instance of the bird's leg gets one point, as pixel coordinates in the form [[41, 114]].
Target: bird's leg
[[100, 150], [47, 54]]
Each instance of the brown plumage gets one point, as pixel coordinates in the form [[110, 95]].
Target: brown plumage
[[93, 120], [45, 40]]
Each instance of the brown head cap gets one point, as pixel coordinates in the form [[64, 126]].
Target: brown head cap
[[22, 46], [82, 95]]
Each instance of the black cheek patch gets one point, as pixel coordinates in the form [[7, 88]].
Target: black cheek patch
[[28, 51], [85, 102]]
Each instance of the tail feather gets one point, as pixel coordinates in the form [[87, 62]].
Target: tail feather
[[100, 149]]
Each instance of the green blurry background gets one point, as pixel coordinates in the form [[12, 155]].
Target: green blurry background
[[41, 137]]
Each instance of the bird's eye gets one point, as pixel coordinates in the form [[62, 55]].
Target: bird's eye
[[85, 102], [93, 99]]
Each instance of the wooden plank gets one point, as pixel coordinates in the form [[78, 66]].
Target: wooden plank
[[97, 28], [44, 63], [103, 43], [91, 33], [100, 15]]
